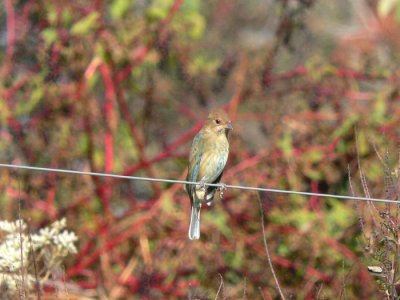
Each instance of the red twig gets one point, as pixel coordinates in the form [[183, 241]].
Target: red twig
[[314, 203], [139, 55], [237, 97], [10, 30], [110, 124]]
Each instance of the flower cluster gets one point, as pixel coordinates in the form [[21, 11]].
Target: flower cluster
[[49, 245]]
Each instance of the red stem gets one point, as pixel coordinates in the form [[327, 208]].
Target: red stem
[[10, 29], [109, 117]]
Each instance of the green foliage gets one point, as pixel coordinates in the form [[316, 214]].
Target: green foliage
[[203, 63], [189, 22], [119, 8], [50, 35], [218, 220], [339, 218], [158, 10], [4, 112], [386, 6], [347, 126], [299, 218], [86, 24], [286, 143]]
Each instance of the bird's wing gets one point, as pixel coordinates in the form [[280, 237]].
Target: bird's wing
[[194, 164], [212, 189]]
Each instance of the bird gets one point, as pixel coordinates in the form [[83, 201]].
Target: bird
[[207, 160]]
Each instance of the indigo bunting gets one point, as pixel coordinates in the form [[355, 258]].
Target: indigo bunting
[[207, 160]]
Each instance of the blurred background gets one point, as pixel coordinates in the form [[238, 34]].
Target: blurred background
[[122, 86]]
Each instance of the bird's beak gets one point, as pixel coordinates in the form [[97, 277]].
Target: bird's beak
[[229, 126]]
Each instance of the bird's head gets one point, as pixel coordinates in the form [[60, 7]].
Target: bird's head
[[218, 121]]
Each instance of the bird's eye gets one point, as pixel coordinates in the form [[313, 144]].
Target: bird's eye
[[218, 121]]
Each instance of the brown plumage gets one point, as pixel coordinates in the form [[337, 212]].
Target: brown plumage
[[207, 160]]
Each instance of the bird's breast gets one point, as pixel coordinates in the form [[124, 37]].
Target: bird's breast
[[213, 160]]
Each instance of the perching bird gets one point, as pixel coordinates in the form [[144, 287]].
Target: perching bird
[[207, 160]]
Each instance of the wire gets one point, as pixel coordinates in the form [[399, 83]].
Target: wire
[[240, 187]]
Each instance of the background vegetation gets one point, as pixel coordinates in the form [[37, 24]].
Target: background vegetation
[[122, 87]]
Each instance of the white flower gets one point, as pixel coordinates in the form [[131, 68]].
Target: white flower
[[50, 242], [65, 242], [14, 281], [49, 235], [10, 252], [12, 227]]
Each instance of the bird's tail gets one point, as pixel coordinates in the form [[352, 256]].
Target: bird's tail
[[194, 228]]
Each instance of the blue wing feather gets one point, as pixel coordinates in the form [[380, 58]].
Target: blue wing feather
[[194, 164]]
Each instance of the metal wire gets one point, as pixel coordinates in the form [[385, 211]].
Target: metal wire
[[260, 189]]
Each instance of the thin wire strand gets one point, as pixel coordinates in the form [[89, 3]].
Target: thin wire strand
[[240, 187]]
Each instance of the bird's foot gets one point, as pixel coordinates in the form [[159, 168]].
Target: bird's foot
[[202, 185], [221, 189]]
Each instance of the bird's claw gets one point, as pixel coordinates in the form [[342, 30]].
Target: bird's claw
[[202, 185], [221, 189]]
